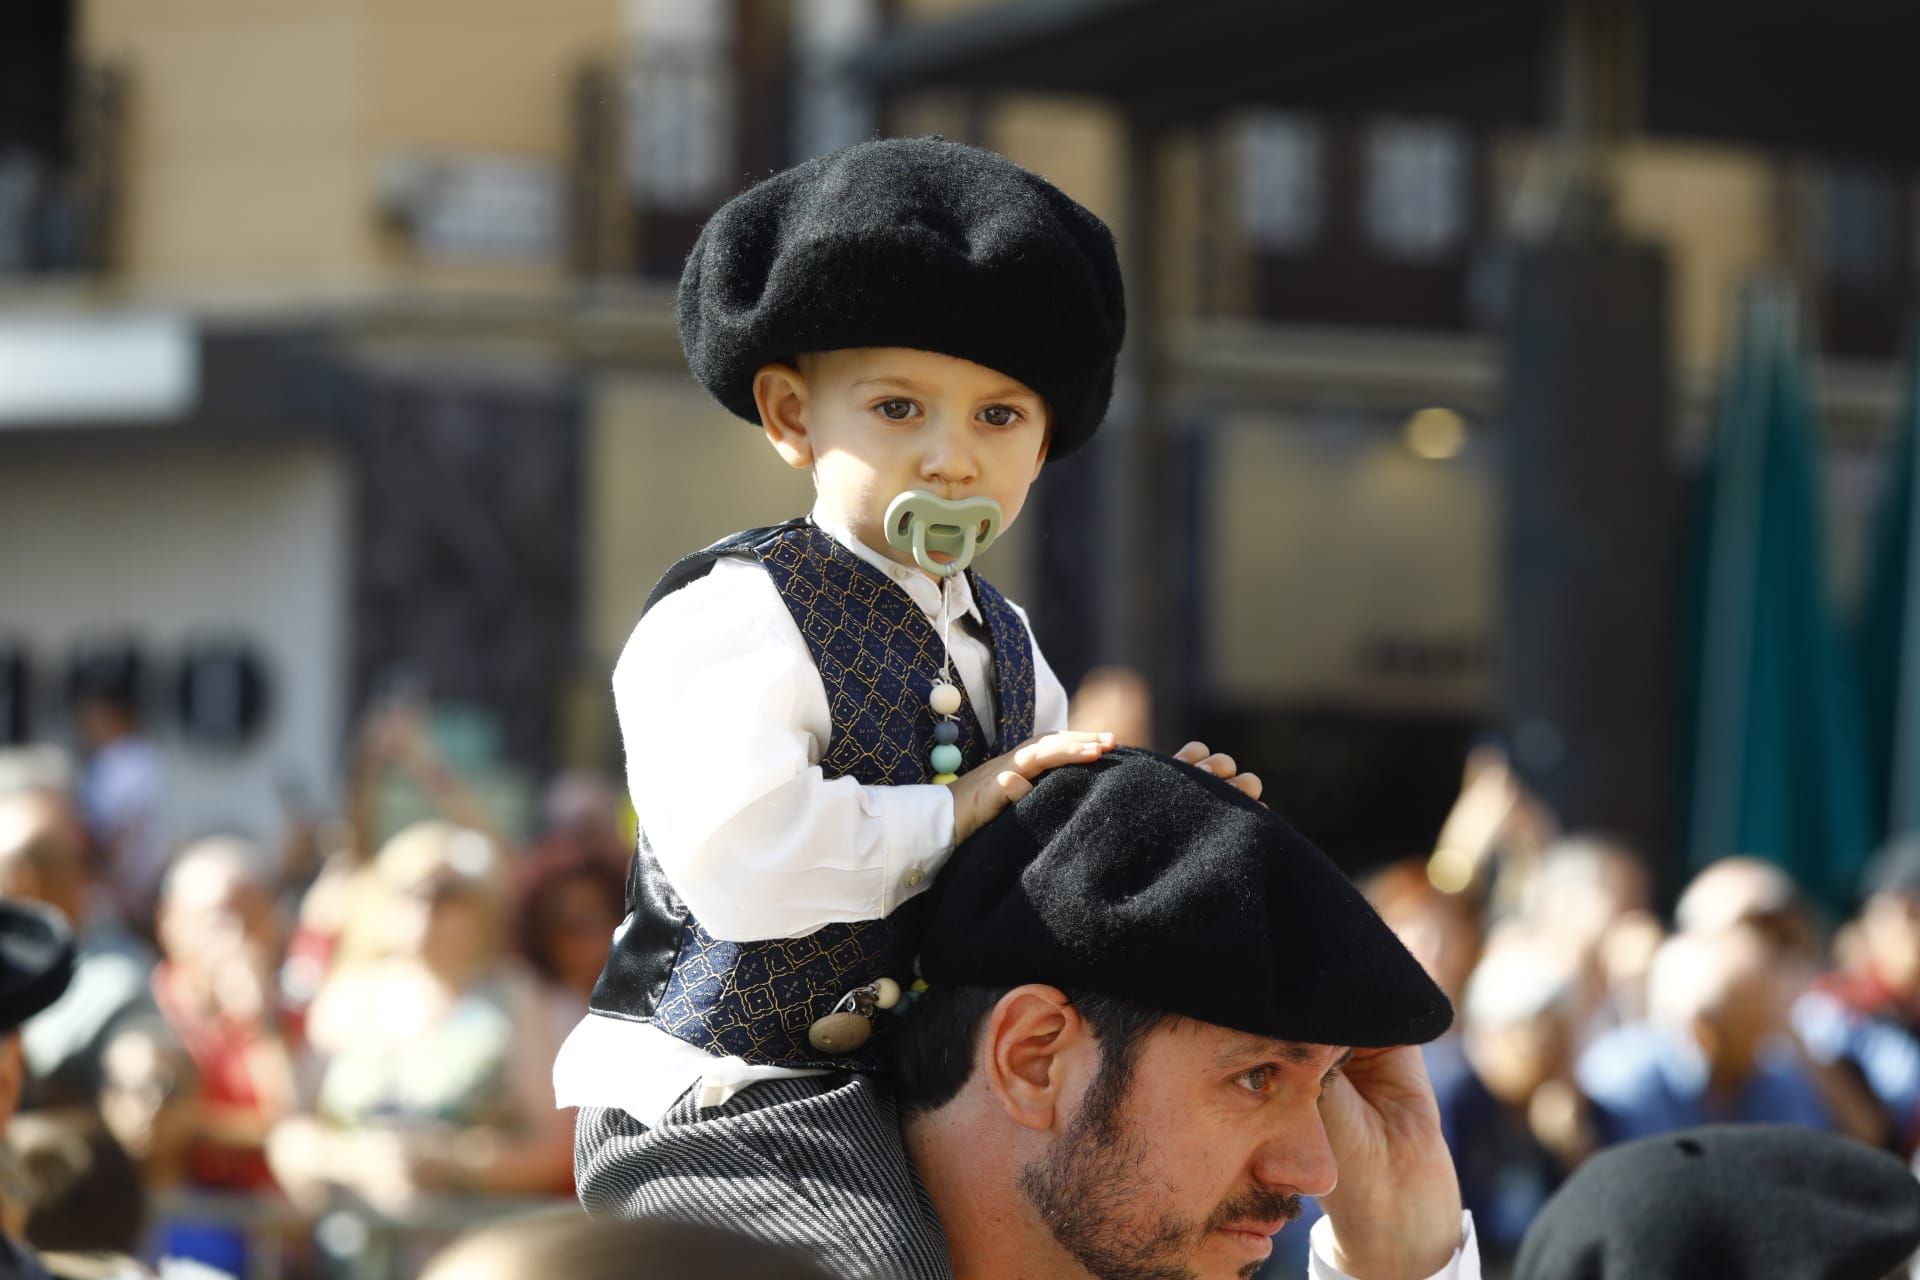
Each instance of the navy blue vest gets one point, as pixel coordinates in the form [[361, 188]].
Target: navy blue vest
[[878, 657]]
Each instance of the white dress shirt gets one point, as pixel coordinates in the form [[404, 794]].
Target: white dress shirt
[[725, 719], [1463, 1265]]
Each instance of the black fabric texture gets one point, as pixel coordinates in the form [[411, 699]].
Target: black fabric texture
[[1752, 1202], [909, 242], [36, 960], [1144, 878]]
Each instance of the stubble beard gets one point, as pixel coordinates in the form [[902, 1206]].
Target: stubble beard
[[1094, 1187]]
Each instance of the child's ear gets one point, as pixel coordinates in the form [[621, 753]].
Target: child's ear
[[1046, 442], [780, 390]]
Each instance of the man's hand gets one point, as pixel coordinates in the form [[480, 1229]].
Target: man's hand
[[980, 794], [1221, 765], [1396, 1212]]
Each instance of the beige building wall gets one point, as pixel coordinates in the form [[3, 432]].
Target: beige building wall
[[257, 130]]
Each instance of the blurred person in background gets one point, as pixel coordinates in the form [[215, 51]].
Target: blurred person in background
[[434, 1055], [122, 780], [1756, 896], [587, 811], [36, 962], [577, 1248], [43, 859], [1864, 1018], [1710, 1050], [1516, 1122], [150, 1100], [394, 738], [220, 935], [1750, 893], [571, 897], [1594, 894], [78, 1192], [1117, 700]]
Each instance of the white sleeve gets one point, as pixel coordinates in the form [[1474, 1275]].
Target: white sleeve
[[724, 720], [1049, 695], [1464, 1265]]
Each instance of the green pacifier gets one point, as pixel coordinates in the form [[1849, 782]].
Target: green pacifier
[[923, 522]]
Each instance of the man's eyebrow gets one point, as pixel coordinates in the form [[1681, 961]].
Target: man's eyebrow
[[1289, 1051]]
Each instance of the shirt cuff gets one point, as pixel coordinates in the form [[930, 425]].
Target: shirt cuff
[[917, 822], [1464, 1265]]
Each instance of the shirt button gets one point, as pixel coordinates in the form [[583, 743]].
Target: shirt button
[[913, 878]]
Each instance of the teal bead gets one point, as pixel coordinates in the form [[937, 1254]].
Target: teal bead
[[946, 758], [947, 732]]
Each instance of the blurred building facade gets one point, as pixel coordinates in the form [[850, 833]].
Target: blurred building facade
[[353, 338]]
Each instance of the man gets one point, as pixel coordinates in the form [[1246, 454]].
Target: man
[[1865, 1018], [43, 859], [36, 962], [123, 783], [1156, 1018], [1710, 1050]]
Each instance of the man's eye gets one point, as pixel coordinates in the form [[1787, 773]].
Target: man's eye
[[1256, 1080], [1000, 415], [897, 410]]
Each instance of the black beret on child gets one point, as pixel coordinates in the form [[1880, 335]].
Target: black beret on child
[[1752, 1201], [1147, 879], [909, 242]]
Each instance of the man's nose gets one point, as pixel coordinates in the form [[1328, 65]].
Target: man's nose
[[1299, 1159], [949, 457]]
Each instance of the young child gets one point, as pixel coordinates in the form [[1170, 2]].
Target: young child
[[816, 713]]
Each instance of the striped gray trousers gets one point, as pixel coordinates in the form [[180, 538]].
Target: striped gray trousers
[[815, 1164]]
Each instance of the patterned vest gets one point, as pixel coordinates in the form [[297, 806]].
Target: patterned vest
[[878, 657]]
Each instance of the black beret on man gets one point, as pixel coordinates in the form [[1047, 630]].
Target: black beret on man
[[1145, 878], [909, 242], [1745, 1202], [36, 961]]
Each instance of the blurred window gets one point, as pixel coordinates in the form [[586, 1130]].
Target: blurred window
[[1417, 175], [1861, 233], [680, 105], [1280, 161], [1350, 221], [831, 109]]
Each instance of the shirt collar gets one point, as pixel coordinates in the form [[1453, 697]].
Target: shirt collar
[[923, 590]]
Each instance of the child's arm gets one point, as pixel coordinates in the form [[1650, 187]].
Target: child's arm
[[724, 719]]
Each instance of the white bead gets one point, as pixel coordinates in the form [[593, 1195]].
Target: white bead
[[886, 993], [944, 699]]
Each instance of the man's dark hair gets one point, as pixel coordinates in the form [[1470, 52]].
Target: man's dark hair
[[933, 1046]]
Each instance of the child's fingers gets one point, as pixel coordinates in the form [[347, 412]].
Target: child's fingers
[[1248, 784], [1056, 749], [1192, 753], [1013, 786]]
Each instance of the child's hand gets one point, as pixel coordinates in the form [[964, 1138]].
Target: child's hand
[[980, 794], [1221, 766]]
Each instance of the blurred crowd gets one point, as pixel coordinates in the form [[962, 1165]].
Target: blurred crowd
[[365, 1022], [348, 1022], [1586, 1019]]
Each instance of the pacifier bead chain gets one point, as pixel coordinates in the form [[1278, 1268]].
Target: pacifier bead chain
[[944, 699]]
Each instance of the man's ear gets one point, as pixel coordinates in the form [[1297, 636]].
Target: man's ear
[[1031, 1037], [780, 390]]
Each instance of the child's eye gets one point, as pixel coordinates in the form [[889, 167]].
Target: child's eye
[[897, 410], [1000, 415]]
